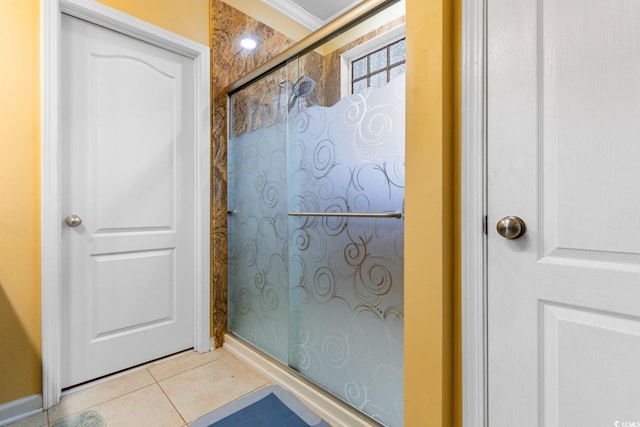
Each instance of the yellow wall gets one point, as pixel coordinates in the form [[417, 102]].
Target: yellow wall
[[20, 371], [431, 393], [430, 388], [19, 200], [189, 18]]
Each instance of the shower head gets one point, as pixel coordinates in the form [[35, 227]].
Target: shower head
[[303, 87], [300, 90]]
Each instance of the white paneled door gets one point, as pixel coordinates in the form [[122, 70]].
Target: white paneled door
[[564, 156], [127, 174]]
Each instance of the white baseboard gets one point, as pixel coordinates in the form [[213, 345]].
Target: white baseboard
[[330, 409], [19, 409]]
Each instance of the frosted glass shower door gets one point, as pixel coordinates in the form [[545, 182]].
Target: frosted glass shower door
[[316, 229], [345, 196], [257, 216]]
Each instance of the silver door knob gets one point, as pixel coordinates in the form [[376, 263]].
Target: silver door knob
[[73, 220], [511, 227]]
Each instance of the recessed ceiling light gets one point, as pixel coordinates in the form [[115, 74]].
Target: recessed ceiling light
[[248, 43]]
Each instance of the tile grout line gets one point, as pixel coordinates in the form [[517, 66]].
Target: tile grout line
[[183, 372], [168, 398], [121, 375], [192, 368], [155, 381], [101, 403], [222, 356]]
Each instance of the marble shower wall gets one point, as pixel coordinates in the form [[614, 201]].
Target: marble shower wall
[[229, 62], [264, 102]]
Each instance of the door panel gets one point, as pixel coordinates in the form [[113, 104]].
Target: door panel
[[117, 277], [127, 119], [127, 156], [588, 357], [564, 322], [589, 126]]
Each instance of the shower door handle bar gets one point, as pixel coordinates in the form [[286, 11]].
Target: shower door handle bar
[[350, 214]]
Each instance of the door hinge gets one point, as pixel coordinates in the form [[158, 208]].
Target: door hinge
[[485, 227]]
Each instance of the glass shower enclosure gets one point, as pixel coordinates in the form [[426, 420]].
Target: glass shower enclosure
[[315, 216]]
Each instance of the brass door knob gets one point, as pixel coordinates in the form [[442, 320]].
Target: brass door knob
[[511, 227], [73, 220]]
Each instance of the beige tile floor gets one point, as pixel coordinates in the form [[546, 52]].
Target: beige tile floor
[[171, 392]]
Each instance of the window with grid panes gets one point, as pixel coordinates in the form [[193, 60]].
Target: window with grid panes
[[379, 67]]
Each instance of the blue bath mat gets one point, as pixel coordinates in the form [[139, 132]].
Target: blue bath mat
[[268, 407]]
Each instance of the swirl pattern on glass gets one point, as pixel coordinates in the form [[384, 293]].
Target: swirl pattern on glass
[[324, 294]]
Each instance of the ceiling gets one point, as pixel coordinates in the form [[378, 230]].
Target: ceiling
[[312, 14]]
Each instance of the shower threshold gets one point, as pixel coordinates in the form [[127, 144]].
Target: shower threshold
[[332, 409]]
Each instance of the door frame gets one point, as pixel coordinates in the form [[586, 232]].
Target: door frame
[[51, 220], [473, 214]]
